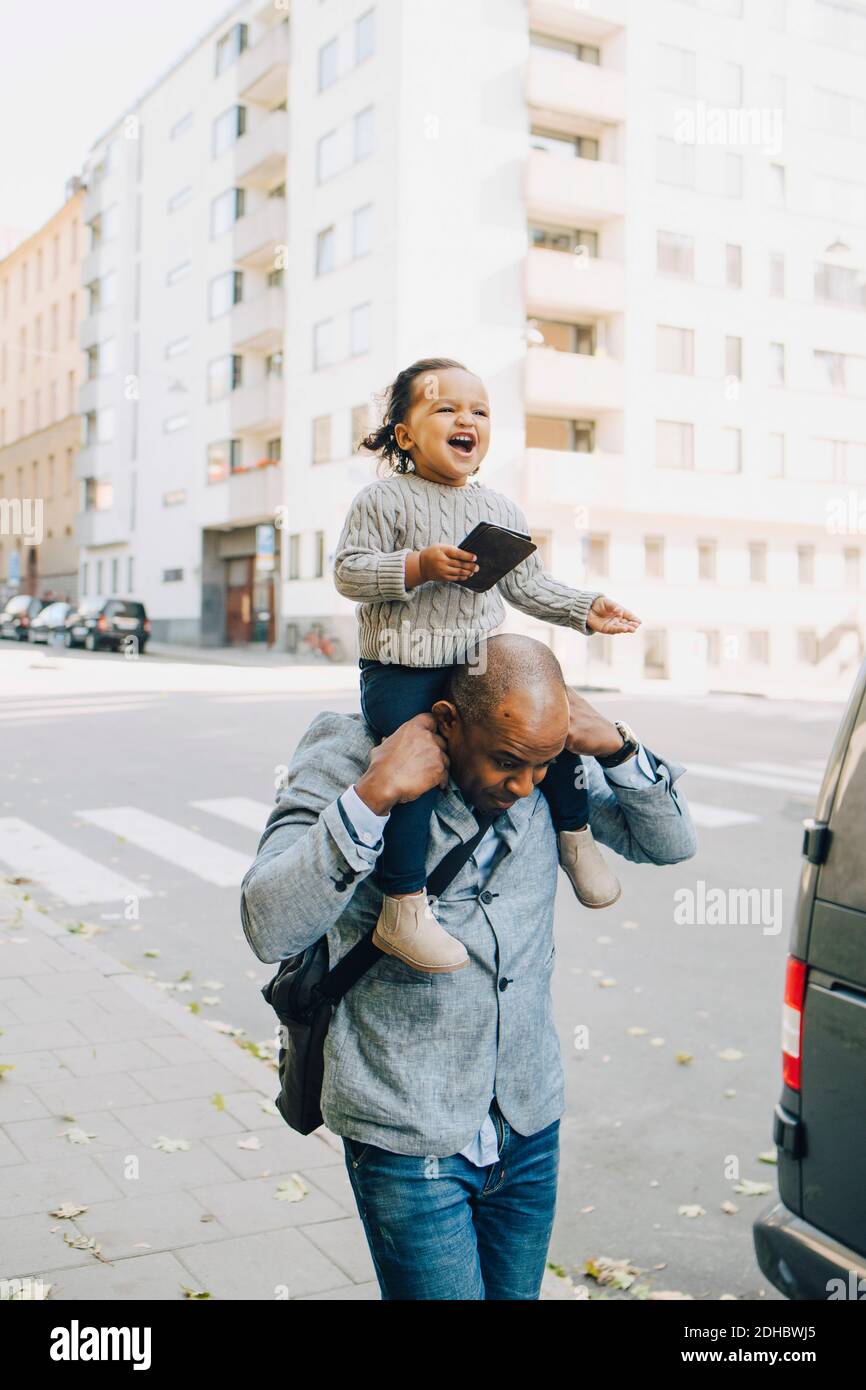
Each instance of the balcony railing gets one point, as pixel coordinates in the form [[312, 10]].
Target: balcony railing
[[560, 84], [562, 190], [590, 20], [565, 283], [260, 154], [258, 234], [258, 409], [258, 323], [571, 384], [99, 528], [263, 70], [559, 478]]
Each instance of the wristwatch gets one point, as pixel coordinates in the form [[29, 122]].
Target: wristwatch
[[630, 745]]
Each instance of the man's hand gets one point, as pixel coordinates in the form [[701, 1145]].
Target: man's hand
[[588, 731], [445, 563], [404, 765], [606, 615]]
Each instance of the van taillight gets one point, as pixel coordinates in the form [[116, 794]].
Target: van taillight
[[102, 622], [147, 624], [792, 1022]]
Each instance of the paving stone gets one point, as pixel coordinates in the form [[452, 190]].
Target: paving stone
[[335, 1181], [185, 1082], [29, 1245], [31, 1067], [282, 1149], [48, 1033], [368, 1292], [38, 1187], [245, 1207], [8, 1153], [256, 1266], [13, 987], [134, 1024], [178, 1119], [40, 1138], [149, 1277], [38, 960], [164, 1220], [75, 1094], [100, 1059], [18, 1102], [344, 1242], [79, 982], [178, 1051], [246, 1106], [33, 1007], [163, 1172]]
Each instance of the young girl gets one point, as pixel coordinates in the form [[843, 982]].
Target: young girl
[[398, 557]]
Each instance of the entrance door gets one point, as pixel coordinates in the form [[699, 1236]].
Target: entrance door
[[249, 604]]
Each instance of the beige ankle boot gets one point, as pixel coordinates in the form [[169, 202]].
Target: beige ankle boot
[[595, 884], [408, 929]]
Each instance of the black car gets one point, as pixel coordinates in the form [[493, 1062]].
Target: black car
[[812, 1243], [50, 624], [98, 623], [18, 614]]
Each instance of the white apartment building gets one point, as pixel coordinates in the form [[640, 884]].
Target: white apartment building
[[644, 226]]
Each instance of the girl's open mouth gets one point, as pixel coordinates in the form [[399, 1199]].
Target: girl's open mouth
[[462, 444]]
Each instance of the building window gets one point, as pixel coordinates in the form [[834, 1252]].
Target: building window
[[326, 248], [364, 134], [807, 646], [776, 187], [223, 376], [654, 557], [274, 279], [776, 456], [713, 646], [675, 255], [707, 560], [777, 274], [839, 284], [227, 128], [365, 36], [675, 350], [359, 330], [831, 369], [675, 444], [230, 46], [82, 585], [274, 365], [675, 162], [362, 230], [571, 239], [173, 576], [733, 266], [777, 364], [731, 450], [115, 574], [360, 425], [597, 556], [225, 210], [757, 562], [327, 64], [570, 436], [274, 449], [851, 567], [734, 358], [655, 654], [805, 564], [564, 146], [130, 573], [676, 69], [223, 458], [758, 648], [322, 439], [327, 156], [324, 353], [319, 554], [294, 556], [225, 291]]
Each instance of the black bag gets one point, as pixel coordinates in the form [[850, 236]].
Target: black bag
[[304, 994]]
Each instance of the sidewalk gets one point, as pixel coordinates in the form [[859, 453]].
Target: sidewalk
[[104, 1067]]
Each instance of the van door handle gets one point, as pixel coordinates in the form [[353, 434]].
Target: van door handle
[[816, 840]]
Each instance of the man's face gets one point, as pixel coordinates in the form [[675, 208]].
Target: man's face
[[497, 762]]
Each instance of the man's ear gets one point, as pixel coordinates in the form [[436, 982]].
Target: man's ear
[[447, 718]]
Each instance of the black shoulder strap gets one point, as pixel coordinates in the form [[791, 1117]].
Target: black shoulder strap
[[364, 954]]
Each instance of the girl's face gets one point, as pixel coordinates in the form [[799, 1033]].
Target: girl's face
[[446, 431]]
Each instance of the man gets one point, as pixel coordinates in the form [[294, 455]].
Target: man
[[447, 1089]]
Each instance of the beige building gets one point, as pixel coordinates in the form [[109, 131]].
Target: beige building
[[40, 371]]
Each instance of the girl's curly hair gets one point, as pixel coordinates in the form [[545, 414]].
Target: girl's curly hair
[[396, 402]]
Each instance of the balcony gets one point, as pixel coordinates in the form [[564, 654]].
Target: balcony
[[564, 191], [91, 265], [93, 200], [258, 409], [556, 478], [97, 392], [263, 70], [589, 21], [560, 284], [95, 528], [88, 334], [571, 383], [558, 84], [258, 234], [258, 324], [244, 499], [260, 155]]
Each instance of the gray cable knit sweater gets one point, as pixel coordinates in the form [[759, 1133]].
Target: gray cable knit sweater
[[436, 623]]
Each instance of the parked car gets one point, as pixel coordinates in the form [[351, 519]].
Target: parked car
[[18, 614], [816, 1233], [50, 624], [98, 623]]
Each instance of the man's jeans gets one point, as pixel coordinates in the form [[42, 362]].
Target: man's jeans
[[441, 1228]]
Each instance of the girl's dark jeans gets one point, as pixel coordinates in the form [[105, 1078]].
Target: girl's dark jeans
[[392, 694]]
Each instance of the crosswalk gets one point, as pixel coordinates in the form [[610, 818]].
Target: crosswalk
[[49, 859]]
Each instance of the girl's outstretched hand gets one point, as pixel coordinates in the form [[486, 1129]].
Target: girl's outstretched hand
[[606, 615]]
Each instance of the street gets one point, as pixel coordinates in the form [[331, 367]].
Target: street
[[134, 794]]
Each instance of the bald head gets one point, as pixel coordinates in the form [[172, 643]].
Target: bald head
[[504, 720]]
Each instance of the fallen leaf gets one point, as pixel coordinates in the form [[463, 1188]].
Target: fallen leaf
[[253, 1142], [629, 926], [211, 999], [291, 1189], [730, 1054], [6, 1066], [142, 1245], [730, 1208], [212, 984], [218, 1101], [691, 1210], [584, 1211], [607, 982], [152, 953], [76, 1136], [621, 1274], [193, 1293], [269, 1108], [747, 1188], [683, 1058], [660, 1295], [67, 1210], [657, 1042], [224, 1028], [170, 1146], [193, 1007], [636, 1031], [768, 1156]]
